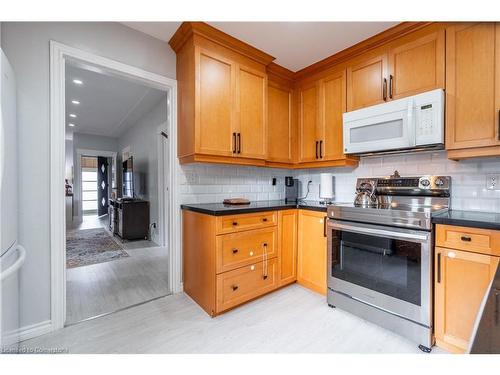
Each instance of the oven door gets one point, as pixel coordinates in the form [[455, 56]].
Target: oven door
[[389, 268]]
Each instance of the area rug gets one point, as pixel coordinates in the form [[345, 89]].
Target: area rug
[[91, 246]]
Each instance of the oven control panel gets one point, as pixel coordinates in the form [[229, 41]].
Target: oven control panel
[[423, 185]]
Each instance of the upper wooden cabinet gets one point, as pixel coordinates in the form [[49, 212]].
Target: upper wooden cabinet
[[472, 90], [280, 123], [321, 105], [222, 97], [416, 64], [367, 81]]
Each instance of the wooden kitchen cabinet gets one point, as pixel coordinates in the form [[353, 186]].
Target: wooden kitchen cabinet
[[287, 246], [222, 97], [417, 63], [367, 80], [472, 90], [309, 122], [332, 106], [280, 123], [312, 248], [461, 281]]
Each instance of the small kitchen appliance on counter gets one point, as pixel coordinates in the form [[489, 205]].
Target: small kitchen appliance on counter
[[292, 189], [380, 252]]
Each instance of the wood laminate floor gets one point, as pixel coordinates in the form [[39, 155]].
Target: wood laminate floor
[[291, 320], [107, 287]]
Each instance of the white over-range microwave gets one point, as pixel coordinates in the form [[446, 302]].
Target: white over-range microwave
[[415, 122]]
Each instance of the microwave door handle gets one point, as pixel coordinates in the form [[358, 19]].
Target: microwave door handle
[[379, 232]]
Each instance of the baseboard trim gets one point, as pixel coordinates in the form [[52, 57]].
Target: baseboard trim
[[34, 330]]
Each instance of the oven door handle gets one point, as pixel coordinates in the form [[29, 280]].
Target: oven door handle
[[379, 232]]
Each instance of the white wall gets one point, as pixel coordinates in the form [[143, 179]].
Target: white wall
[[468, 177], [142, 138], [26, 44]]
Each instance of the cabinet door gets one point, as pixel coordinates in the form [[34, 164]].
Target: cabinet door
[[472, 85], [279, 120], [333, 105], [214, 107], [311, 262], [287, 246], [461, 280], [416, 66], [366, 82], [309, 122], [252, 113]]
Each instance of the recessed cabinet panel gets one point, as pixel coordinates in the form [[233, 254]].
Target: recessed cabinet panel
[[279, 144], [309, 123], [417, 66], [215, 105], [472, 84], [252, 115], [367, 83], [334, 105]]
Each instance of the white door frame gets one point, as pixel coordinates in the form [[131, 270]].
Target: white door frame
[[59, 53], [78, 175], [163, 146]]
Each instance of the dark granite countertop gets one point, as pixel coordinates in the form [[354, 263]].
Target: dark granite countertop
[[475, 219], [220, 209]]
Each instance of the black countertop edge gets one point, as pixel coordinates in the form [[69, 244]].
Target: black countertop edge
[[474, 219], [220, 209]]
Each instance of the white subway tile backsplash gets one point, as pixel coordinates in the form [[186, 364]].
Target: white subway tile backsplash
[[205, 183]]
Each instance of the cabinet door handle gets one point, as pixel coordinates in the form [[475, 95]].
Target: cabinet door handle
[[324, 226], [384, 90], [235, 287], [466, 238], [264, 219], [235, 251], [321, 149], [234, 143], [439, 268], [316, 149], [239, 143], [235, 223], [497, 309], [264, 261], [390, 86]]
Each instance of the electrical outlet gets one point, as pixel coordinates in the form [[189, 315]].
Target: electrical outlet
[[493, 182], [191, 178]]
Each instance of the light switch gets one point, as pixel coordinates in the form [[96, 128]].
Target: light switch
[[493, 182]]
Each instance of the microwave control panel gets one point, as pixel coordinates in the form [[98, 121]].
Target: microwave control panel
[[429, 120]]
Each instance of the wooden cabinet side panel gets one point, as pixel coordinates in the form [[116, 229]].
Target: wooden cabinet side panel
[[185, 100], [312, 249], [198, 255], [287, 246], [471, 114], [463, 280]]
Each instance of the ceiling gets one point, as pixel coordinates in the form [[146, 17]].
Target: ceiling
[[295, 45], [109, 105]]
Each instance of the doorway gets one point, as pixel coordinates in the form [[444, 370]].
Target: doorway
[[94, 203]]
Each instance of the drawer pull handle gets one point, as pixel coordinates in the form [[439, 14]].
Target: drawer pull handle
[[235, 223], [264, 219], [466, 238], [235, 251], [235, 287], [264, 277]]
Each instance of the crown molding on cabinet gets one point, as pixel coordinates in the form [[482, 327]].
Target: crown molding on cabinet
[[188, 29]]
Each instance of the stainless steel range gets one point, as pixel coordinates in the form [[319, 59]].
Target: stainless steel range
[[380, 252]]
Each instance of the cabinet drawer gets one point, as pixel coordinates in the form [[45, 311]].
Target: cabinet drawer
[[243, 248], [237, 223], [476, 240], [243, 284]]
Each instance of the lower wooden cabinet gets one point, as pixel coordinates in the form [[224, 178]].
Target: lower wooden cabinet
[[461, 281], [312, 248]]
